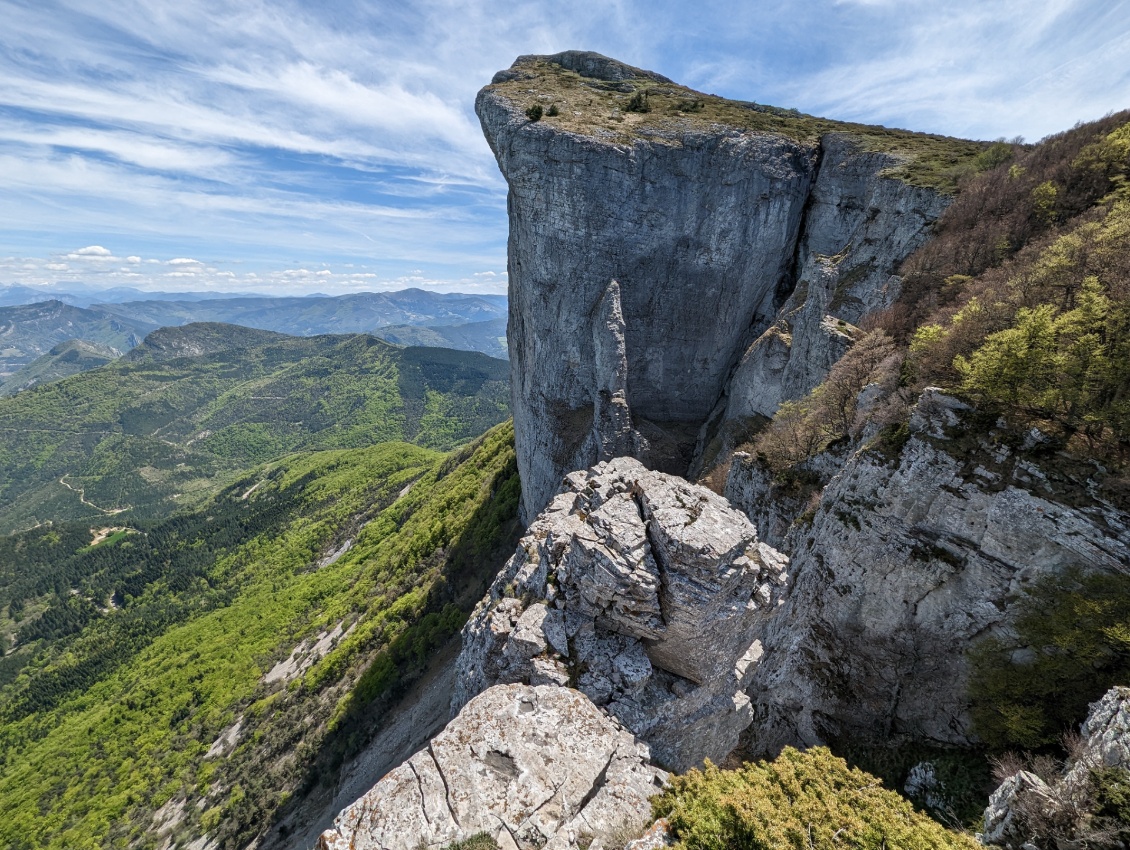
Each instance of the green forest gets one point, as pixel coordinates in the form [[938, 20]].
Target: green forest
[[131, 658], [155, 432]]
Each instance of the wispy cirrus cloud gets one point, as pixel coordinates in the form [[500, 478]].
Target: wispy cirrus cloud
[[291, 135]]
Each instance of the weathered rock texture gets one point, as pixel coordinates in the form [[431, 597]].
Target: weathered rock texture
[[1024, 802], [645, 592], [535, 767], [645, 267], [912, 553]]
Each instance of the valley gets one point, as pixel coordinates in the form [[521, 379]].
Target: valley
[[810, 527]]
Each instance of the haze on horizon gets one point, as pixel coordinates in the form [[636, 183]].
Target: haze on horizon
[[291, 148]]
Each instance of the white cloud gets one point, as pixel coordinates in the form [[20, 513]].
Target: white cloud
[[134, 260], [92, 251], [184, 261]]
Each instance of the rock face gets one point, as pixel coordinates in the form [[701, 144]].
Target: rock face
[[910, 555], [1024, 806], [858, 227], [646, 593], [644, 268], [534, 767]]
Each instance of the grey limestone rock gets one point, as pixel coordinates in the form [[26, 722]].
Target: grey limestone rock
[[906, 561], [858, 227], [1003, 826], [660, 591], [1024, 797], [705, 234], [534, 767]]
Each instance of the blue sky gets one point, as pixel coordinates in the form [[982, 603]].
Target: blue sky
[[331, 146]]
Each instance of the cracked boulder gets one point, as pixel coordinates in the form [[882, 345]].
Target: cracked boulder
[[645, 592], [534, 767]]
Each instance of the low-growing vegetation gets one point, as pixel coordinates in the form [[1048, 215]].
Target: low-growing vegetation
[[643, 107], [802, 800], [178, 665], [1072, 645]]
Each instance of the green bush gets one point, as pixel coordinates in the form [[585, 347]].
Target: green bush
[[803, 801], [481, 841], [638, 103], [534, 113], [1075, 633]]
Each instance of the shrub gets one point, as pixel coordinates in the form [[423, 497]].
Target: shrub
[[1074, 635], [638, 103], [480, 841], [800, 801], [534, 113], [553, 111]]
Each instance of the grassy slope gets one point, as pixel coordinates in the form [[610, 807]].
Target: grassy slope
[[153, 434], [91, 769], [597, 108]]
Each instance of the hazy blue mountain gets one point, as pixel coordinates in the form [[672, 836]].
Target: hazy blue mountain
[[361, 312], [65, 359], [29, 331], [489, 337]]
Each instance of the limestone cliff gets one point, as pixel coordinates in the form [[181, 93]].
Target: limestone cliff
[[656, 233], [912, 553]]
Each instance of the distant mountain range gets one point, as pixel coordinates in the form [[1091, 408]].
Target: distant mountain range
[[180, 414], [29, 331], [410, 317]]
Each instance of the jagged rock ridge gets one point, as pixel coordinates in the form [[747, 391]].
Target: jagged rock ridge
[[677, 241], [646, 593]]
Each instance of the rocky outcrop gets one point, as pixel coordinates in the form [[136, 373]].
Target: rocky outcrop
[[1029, 811], [649, 256], [646, 593], [859, 226], [534, 767], [912, 552]]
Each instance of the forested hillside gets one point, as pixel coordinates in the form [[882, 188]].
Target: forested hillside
[[193, 407], [205, 671]]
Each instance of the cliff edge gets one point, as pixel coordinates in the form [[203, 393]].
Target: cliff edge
[[664, 241]]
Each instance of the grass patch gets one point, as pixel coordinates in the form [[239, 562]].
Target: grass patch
[[616, 112]]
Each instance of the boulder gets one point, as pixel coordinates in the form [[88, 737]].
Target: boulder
[[533, 767], [647, 593]]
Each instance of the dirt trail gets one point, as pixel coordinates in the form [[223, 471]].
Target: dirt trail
[[82, 498]]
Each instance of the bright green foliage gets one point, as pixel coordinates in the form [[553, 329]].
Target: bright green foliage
[[1076, 629], [153, 435], [1055, 366], [804, 801], [1049, 344], [109, 712], [1113, 786], [1043, 200], [482, 841]]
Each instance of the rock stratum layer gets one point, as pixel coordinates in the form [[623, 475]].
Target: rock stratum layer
[[646, 593], [678, 269], [534, 767]]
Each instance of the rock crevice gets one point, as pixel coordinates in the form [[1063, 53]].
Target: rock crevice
[[645, 592]]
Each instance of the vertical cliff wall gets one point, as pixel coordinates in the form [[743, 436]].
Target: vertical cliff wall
[[655, 234]]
